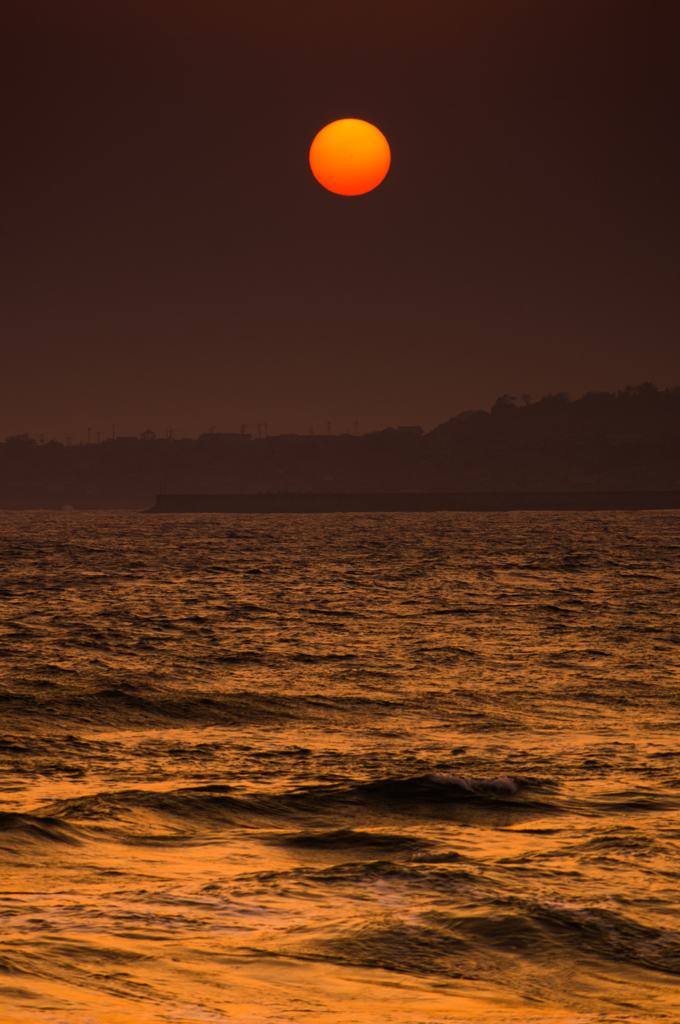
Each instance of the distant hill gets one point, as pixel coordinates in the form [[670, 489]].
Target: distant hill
[[629, 440], [636, 413]]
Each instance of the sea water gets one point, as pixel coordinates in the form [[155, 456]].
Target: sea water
[[340, 768]]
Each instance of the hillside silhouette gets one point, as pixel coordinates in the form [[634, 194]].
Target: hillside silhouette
[[628, 440]]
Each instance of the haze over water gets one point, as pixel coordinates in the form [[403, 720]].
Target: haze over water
[[389, 768]]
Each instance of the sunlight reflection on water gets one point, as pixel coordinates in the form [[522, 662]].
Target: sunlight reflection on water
[[405, 768]]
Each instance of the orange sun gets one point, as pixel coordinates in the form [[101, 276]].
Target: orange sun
[[349, 157]]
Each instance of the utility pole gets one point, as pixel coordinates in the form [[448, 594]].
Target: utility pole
[[99, 434]]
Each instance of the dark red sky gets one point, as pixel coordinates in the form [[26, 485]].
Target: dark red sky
[[168, 259]]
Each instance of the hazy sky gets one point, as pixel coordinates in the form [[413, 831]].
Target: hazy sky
[[168, 260]]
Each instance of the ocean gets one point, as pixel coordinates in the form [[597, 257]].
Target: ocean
[[337, 769]]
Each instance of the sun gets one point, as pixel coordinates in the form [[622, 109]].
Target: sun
[[349, 157]]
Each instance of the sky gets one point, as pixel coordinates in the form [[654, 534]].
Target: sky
[[168, 260]]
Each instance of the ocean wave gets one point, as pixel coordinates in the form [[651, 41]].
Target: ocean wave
[[194, 808], [133, 701], [501, 786], [330, 814], [534, 945], [350, 839], [445, 787], [15, 828], [436, 857]]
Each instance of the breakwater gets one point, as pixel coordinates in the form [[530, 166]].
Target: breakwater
[[586, 501]]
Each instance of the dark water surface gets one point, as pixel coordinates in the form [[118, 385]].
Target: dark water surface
[[341, 768]]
